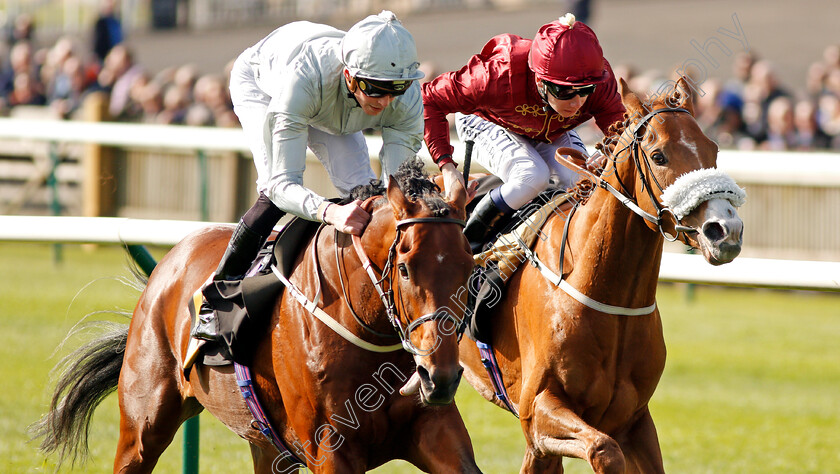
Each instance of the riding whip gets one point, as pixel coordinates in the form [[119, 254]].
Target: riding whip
[[468, 146]]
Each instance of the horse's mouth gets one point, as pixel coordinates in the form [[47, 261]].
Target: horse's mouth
[[439, 397], [719, 255], [439, 392], [435, 402]]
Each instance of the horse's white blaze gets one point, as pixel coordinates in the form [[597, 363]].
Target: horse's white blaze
[[439, 258], [719, 208], [690, 145]]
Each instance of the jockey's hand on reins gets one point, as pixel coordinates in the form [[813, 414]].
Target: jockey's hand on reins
[[349, 218]]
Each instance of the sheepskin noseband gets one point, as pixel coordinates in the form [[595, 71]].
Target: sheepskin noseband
[[698, 186]]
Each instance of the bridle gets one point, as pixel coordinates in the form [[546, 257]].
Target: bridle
[[384, 285], [640, 156], [623, 196], [380, 283], [637, 150]]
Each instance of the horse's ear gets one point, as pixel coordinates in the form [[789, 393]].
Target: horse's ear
[[682, 95], [631, 101], [399, 203]]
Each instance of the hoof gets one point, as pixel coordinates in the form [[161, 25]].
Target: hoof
[[605, 456]]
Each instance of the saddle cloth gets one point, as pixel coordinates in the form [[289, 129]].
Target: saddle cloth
[[243, 308]]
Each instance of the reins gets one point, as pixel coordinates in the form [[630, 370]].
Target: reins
[[637, 151], [560, 282], [627, 201], [312, 307], [339, 264]]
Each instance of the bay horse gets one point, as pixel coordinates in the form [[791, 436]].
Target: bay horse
[[332, 403], [580, 370]]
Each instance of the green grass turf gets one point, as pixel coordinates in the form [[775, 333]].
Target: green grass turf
[[751, 383]]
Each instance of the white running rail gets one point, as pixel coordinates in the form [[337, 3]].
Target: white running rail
[[748, 272]]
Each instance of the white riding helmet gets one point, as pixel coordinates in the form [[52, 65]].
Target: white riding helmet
[[380, 48]]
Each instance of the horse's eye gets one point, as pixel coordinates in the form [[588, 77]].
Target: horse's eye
[[403, 271], [659, 158]]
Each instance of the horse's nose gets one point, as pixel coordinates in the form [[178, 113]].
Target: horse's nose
[[726, 236], [440, 384]]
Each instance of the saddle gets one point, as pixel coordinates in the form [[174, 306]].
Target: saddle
[[243, 307], [499, 262]]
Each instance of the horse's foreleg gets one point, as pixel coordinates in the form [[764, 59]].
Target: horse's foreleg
[[441, 442], [555, 430], [641, 446]]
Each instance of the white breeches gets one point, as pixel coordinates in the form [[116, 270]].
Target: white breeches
[[526, 166]]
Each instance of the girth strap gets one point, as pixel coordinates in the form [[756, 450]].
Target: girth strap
[[488, 359], [261, 421]]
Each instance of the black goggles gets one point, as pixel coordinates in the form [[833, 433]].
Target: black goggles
[[373, 88], [568, 92]]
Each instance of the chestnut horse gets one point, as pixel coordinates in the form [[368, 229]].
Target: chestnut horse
[[333, 404], [580, 370]]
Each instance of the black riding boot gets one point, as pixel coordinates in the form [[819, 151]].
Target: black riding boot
[[487, 219], [241, 251]]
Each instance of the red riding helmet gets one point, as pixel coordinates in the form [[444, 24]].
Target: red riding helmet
[[567, 52]]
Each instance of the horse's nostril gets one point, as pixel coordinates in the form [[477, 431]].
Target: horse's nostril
[[713, 231], [424, 375]]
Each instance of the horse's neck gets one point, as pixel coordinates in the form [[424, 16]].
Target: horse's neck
[[616, 256], [344, 277]]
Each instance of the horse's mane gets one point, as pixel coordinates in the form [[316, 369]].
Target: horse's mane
[[414, 183], [583, 188]]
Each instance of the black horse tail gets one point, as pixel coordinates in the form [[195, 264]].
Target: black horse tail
[[87, 376]]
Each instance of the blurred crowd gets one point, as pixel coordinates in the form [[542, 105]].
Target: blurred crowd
[[753, 110], [59, 78]]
